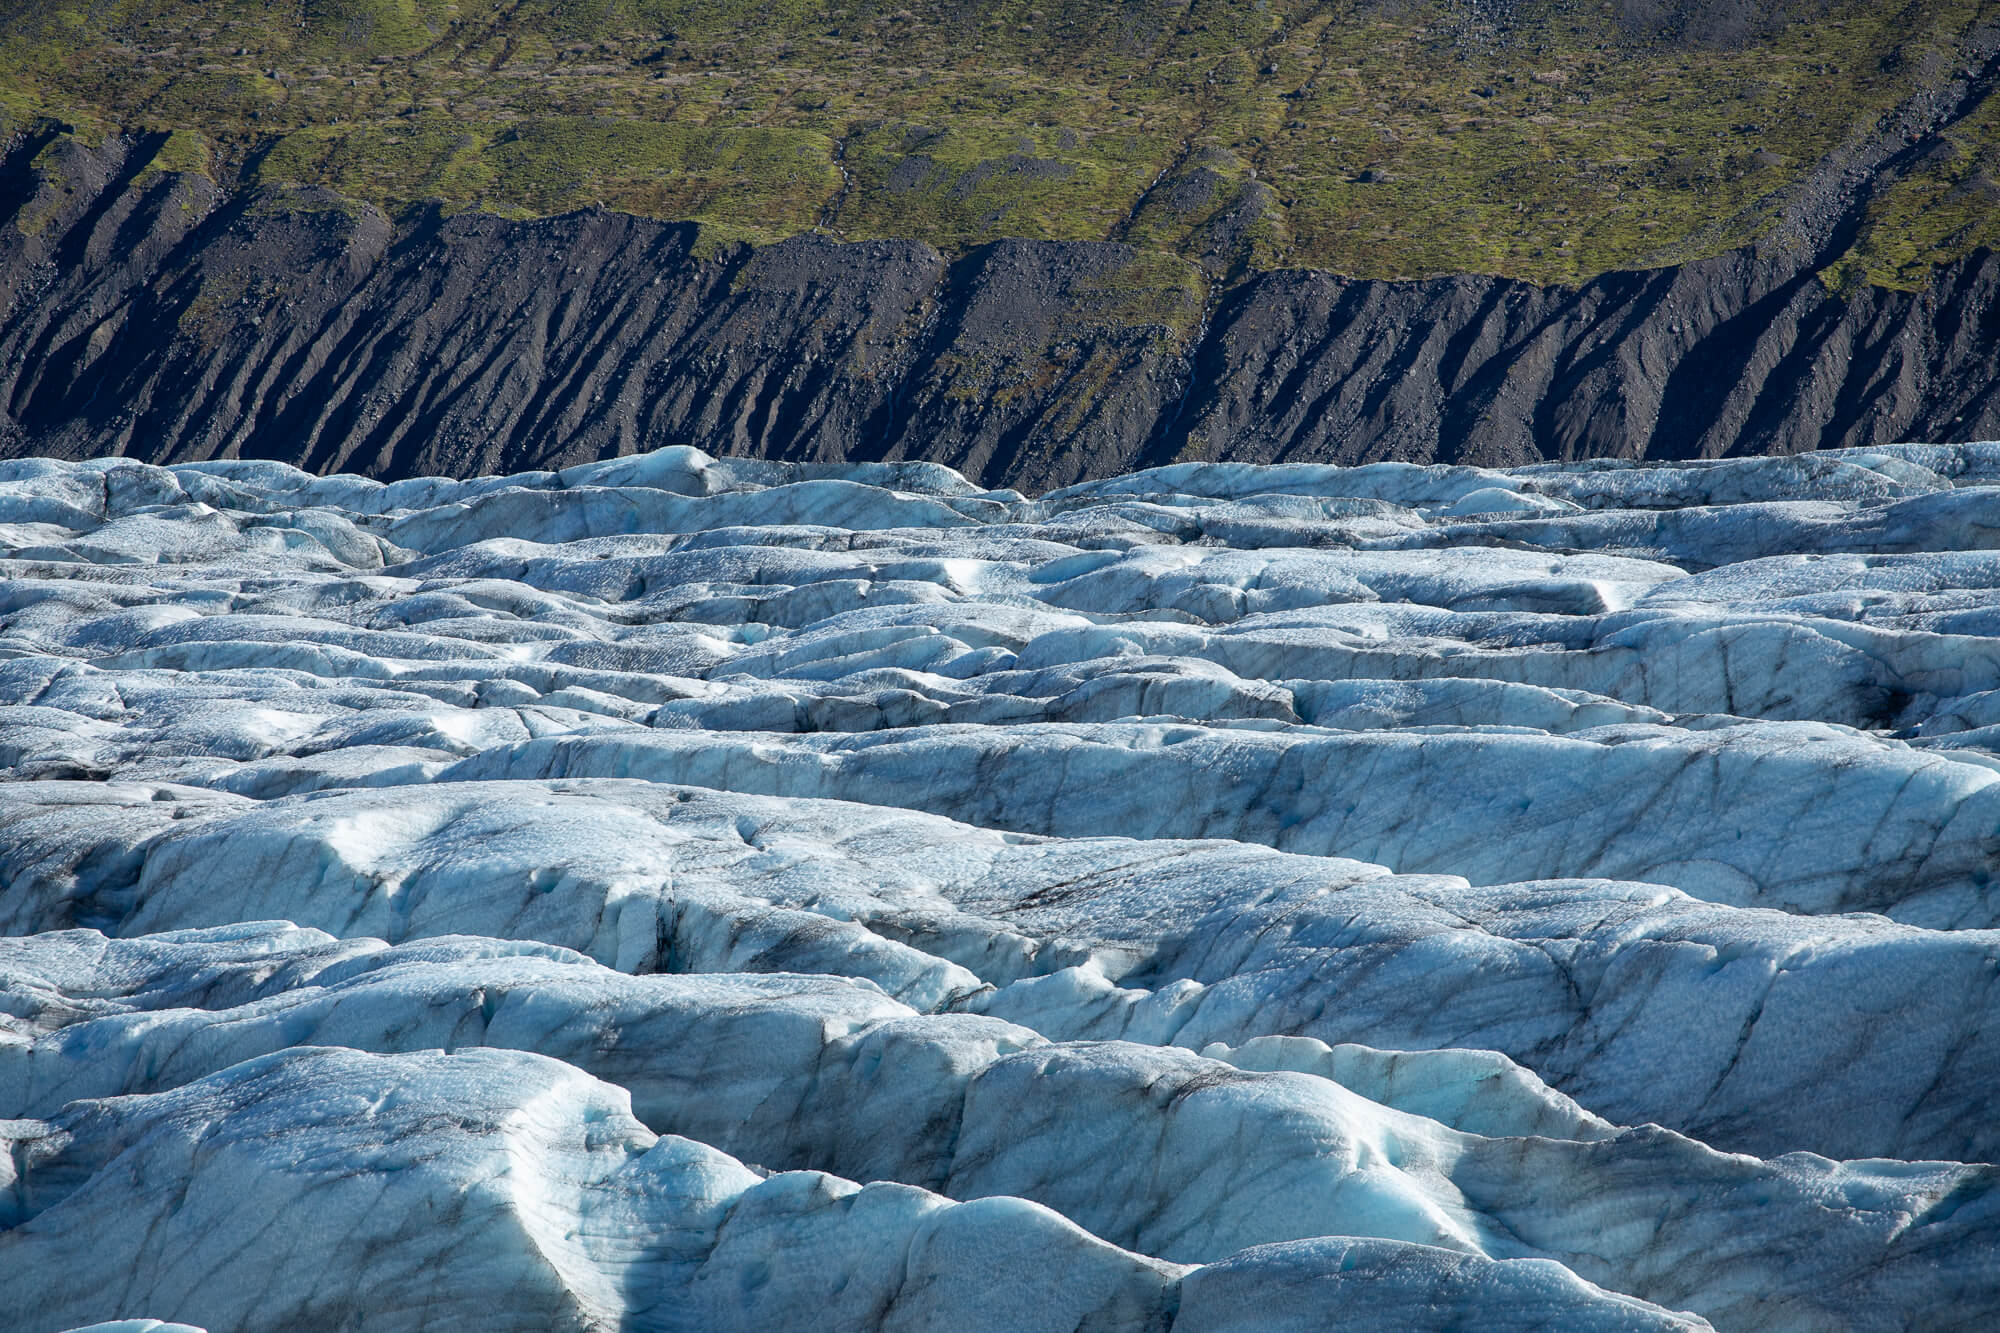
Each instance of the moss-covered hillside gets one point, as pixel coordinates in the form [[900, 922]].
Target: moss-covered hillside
[[1541, 139]]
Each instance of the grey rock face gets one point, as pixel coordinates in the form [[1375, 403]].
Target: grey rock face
[[153, 316]]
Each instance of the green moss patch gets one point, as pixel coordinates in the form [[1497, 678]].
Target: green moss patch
[[1371, 138]]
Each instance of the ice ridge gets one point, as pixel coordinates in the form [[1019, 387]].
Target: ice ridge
[[697, 893]]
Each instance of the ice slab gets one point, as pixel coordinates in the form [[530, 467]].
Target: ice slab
[[696, 892]]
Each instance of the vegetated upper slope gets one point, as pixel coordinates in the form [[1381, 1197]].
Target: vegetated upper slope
[[1543, 140]]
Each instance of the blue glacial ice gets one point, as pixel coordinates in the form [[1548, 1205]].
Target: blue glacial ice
[[696, 893]]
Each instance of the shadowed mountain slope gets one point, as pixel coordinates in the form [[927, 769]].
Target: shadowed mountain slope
[[150, 313]]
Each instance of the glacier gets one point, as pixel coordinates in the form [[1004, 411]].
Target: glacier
[[683, 892]]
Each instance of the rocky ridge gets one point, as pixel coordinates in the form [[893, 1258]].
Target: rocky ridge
[[149, 313]]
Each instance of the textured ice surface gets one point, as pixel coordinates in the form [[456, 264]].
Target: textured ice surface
[[682, 893]]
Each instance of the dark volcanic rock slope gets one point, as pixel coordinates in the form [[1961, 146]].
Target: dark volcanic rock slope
[[148, 313]]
